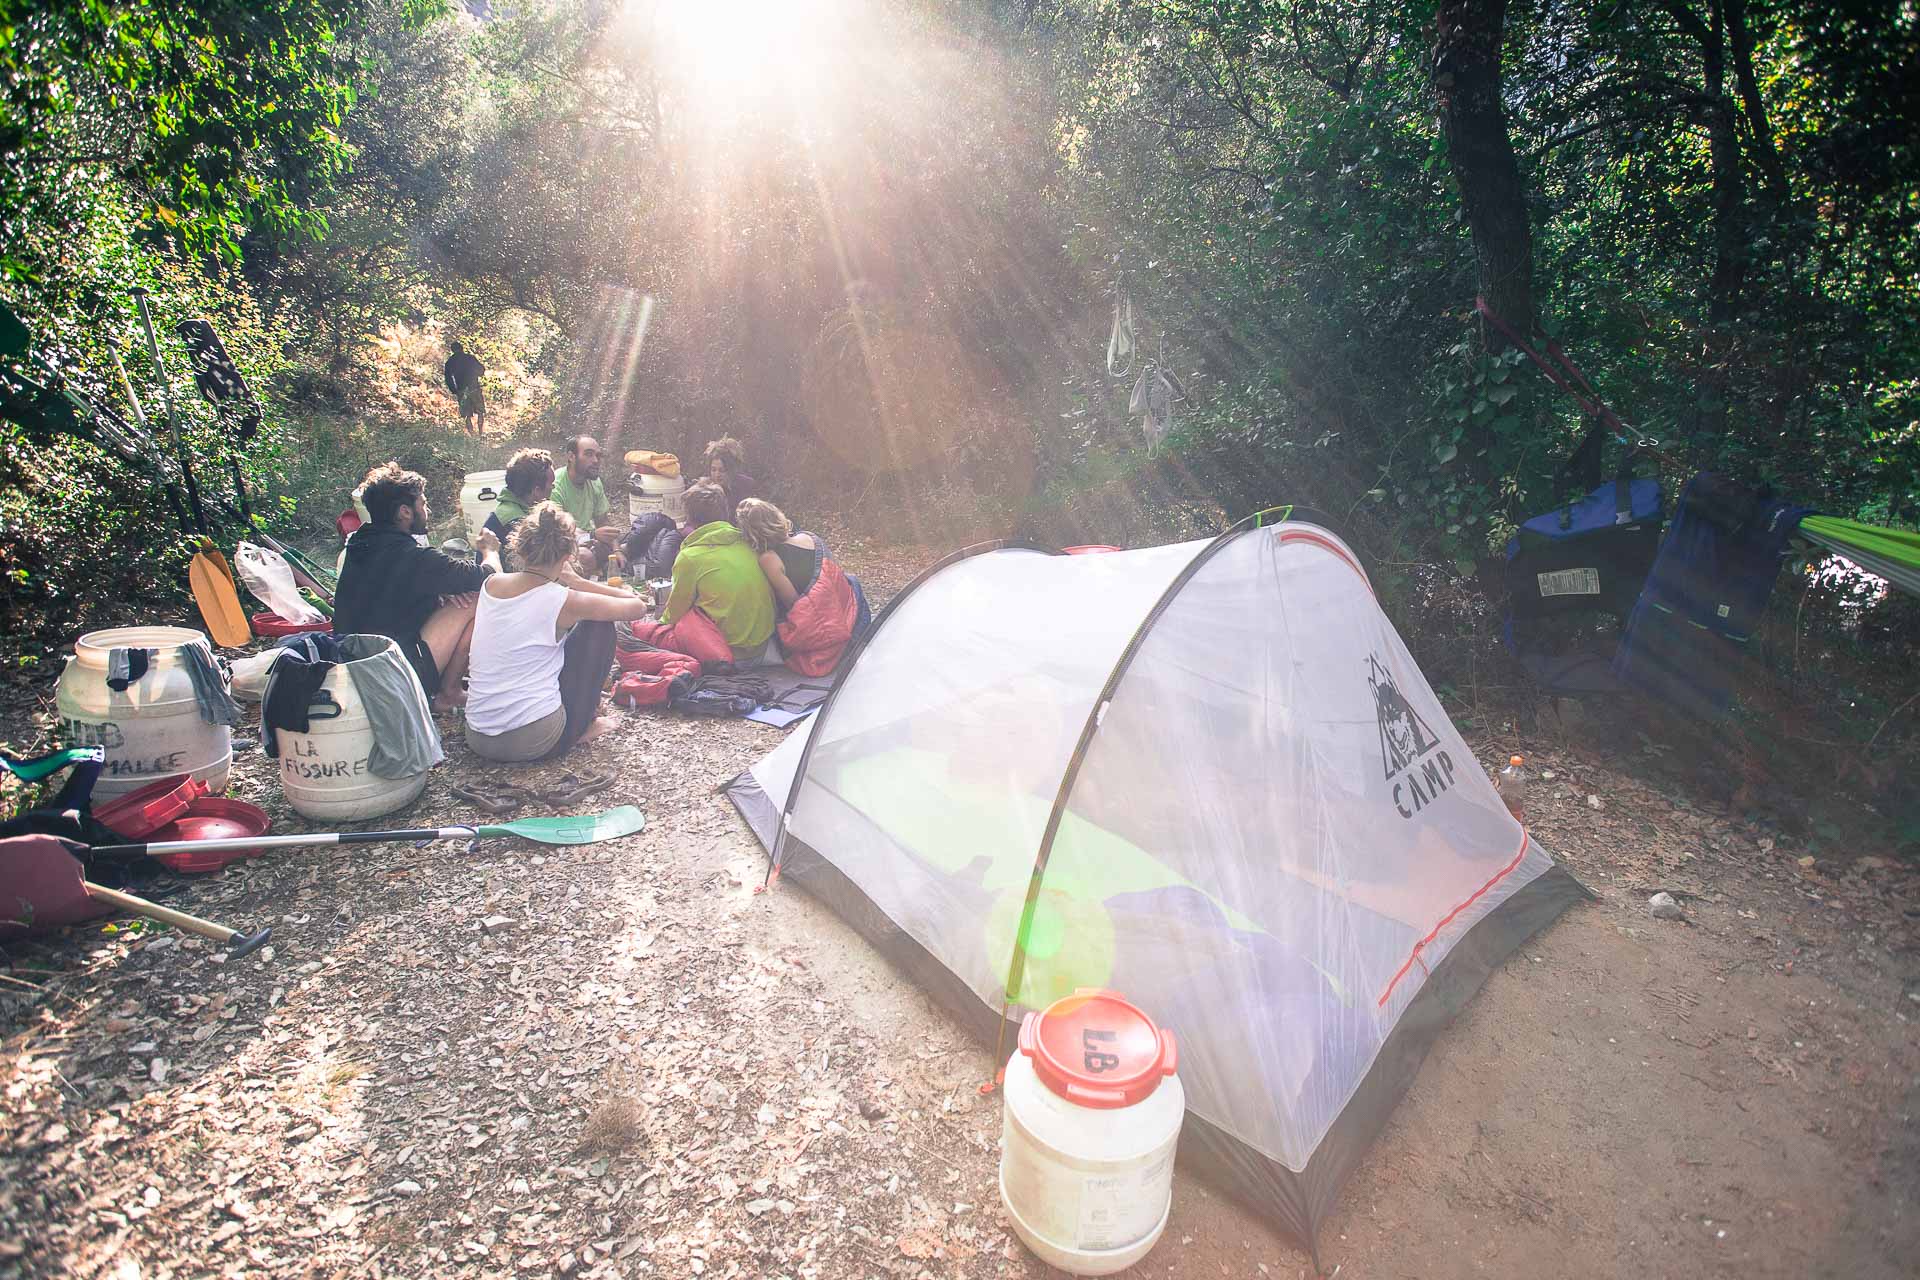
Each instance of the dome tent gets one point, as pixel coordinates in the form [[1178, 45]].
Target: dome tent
[[1208, 775]]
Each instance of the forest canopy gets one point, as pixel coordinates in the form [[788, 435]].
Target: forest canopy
[[885, 243]]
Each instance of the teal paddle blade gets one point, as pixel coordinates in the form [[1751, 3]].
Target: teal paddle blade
[[586, 828], [46, 766]]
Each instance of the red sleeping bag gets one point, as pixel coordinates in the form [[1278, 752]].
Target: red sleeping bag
[[695, 635], [820, 623]]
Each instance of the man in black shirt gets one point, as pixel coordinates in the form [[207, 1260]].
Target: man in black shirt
[[392, 586], [463, 374]]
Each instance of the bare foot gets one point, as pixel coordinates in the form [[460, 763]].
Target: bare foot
[[448, 701], [600, 725]]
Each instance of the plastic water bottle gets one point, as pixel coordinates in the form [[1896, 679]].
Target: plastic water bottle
[[1511, 783]]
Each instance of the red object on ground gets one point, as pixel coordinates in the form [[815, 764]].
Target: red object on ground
[[1090, 549], [139, 814], [649, 676], [212, 818], [1095, 1049], [695, 635], [269, 625], [346, 522], [656, 662], [820, 624], [43, 887]]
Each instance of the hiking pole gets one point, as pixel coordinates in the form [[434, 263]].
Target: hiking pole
[[584, 829], [173, 418], [167, 485], [238, 944]]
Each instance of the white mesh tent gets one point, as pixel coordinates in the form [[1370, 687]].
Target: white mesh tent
[[1206, 775]]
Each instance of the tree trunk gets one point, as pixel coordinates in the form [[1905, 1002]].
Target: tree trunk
[[1729, 195], [1473, 119], [1740, 40]]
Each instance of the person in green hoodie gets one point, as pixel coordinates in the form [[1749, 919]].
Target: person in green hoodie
[[718, 574], [529, 483]]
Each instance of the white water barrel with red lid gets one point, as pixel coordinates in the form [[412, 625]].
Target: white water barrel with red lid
[[1091, 1118], [152, 728]]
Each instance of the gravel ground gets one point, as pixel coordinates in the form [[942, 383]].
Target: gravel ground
[[618, 1060]]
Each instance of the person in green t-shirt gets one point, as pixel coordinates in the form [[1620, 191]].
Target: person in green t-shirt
[[579, 491]]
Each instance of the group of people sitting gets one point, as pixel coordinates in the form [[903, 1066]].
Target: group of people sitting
[[522, 635]]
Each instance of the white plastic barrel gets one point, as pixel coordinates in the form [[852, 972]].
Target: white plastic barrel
[[153, 728], [666, 494], [479, 495], [324, 773], [1091, 1118]]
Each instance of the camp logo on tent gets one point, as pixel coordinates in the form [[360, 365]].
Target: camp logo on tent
[[1404, 739]]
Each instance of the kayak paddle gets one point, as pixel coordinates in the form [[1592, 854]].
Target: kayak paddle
[[237, 943], [46, 887], [582, 829]]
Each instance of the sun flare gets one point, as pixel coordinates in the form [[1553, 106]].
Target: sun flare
[[736, 50]]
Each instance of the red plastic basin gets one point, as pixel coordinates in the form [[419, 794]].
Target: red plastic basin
[[212, 818]]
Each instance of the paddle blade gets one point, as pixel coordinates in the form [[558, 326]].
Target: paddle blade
[[586, 828], [218, 598], [48, 765]]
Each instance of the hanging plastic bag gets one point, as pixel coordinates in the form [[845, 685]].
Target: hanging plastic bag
[[1121, 345], [269, 577], [1157, 413]]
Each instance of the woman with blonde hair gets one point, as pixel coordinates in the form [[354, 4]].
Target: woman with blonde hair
[[821, 606], [542, 646], [789, 559]]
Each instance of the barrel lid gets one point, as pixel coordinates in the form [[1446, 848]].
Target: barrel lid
[[138, 814], [1096, 1049]]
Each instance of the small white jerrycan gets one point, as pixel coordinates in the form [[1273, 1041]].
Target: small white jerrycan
[[1092, 1115]]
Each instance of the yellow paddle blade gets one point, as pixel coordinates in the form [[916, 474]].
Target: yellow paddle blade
[[219, 600]]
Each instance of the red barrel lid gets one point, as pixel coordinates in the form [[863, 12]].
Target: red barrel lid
[[1096, 1049], [138, 814]]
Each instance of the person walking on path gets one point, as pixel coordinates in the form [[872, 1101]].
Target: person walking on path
[[463, 373]]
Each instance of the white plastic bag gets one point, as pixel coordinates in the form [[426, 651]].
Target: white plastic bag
[[270, 579]]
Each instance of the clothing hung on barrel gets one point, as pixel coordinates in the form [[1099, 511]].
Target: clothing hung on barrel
[[405, 742]]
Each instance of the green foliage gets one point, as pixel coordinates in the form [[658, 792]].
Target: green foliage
[[215, 115], [1270, 180]]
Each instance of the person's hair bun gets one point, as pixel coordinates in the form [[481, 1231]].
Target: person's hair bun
[[545, 536]]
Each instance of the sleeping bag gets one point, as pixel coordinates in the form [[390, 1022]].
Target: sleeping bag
[[821, 623]]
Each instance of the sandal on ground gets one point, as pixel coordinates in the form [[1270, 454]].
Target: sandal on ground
[[571, 789], [494, 800]]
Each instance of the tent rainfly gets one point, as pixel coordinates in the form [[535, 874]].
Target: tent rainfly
[[1206, 775]]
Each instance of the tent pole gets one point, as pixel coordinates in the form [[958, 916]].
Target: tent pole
[[1017, 967]]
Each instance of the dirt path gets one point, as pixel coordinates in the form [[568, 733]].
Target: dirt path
[[642, 1068]]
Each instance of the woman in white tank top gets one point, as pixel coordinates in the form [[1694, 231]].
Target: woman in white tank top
[[542, 646]]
